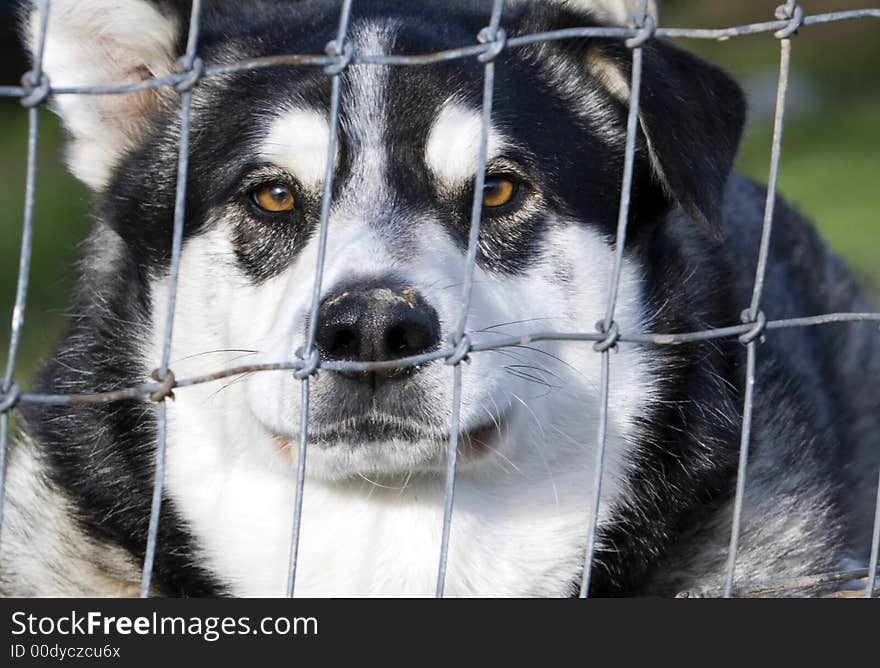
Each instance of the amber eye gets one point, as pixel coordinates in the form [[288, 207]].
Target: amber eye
[[498, 191], [274, 198]]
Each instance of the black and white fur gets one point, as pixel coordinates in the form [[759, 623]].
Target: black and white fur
[[80, 479]]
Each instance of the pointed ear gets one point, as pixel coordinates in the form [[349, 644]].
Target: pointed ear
[[691, 113], [612, 11], [105, 43]]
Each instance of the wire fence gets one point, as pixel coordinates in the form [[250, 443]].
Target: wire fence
[[36, 88]]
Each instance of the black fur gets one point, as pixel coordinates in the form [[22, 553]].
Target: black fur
[[692, 115]]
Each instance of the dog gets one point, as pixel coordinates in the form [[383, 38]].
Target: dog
[[80, 477]]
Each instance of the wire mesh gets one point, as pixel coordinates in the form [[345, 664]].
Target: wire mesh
[[491, 42]]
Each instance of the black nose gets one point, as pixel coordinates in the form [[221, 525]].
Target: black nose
[[376, 323]]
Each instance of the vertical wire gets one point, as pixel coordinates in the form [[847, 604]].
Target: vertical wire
[[27, 243], [480, 180], [491, 34], [754, 310], [449, 500], [778, 125], [629, 160], [308, 351], [608, 323], [875, 548], [300, 486], [173, 273], [597, 480], [745, 438]]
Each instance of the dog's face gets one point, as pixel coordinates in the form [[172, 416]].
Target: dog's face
[[403, 185]]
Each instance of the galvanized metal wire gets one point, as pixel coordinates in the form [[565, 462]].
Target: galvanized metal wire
[[607, 326], [343, 58], [491, 42], [190, 64], [9, 392], [494, 37]]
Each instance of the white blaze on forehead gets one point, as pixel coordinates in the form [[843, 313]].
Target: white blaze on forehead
[[367, 124], [453, 148], [297, 142]]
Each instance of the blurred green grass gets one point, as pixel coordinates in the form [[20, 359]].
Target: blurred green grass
[[829, 170], [61, 221], [830, 163], [830, 167]]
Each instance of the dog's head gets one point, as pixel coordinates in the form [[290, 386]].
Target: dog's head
[[404, 170]]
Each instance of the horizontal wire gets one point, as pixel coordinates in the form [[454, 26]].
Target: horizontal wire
[[142, 390], [491, 49], [323, 60]]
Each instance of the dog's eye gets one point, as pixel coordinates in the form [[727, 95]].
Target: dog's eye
[[498, 191], [274, 198]]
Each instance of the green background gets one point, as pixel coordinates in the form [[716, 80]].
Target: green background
[[830, 163]]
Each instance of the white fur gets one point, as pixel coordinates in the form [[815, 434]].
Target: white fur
[[367, 125], [93, 43], [520, 516], [453, 147], [610, 76], [298, 142], [44, 550], [615, 11], [372, 515]]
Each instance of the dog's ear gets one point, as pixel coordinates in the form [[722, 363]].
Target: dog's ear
[[691, 115], [612, 11], [104, 43]]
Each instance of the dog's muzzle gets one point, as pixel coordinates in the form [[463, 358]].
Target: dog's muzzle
[[373, 321], [378, 322]]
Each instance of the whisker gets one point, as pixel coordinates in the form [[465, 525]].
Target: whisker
[[409, 475], [540, 452], [551, 356], [234, 381], [520, 371], [460, 283], [489, 329], [248, 353], [381, 486]]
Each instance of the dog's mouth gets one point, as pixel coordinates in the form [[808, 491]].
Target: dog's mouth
[[382, 430], [378, 430]]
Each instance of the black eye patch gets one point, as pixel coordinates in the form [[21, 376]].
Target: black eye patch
[[271, 220]]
